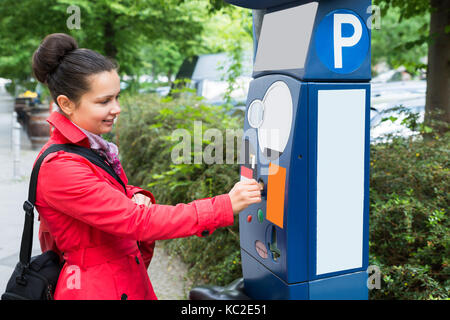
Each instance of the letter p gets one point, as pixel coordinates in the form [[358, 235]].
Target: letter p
[[341, 42]]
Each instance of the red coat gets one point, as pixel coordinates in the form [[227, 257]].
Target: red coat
[[106, 239]]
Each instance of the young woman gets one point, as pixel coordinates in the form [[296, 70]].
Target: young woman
[[105, 235]]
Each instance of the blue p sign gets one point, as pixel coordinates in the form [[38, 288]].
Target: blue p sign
[[342, 41]]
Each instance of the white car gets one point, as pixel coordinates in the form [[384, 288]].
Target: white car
[[391, 104]]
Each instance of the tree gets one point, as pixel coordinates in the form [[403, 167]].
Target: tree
[[437, 108], [116, 28], [401, 44]]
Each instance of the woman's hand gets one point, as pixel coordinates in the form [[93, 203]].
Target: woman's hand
[[244, 193], [139, 198]]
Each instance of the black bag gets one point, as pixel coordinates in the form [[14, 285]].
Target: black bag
[[35, 278]]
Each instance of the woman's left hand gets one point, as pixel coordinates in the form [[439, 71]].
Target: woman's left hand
[[139, 198]]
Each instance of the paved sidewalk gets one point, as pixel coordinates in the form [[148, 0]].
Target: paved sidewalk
[[168, 276], [167, 273]]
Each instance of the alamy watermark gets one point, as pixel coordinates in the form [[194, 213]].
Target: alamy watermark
[[374, 21], [208, 147], [374, 277], [74, 279], [74, 20]]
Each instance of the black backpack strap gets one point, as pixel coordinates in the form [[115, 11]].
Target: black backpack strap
[[28, 206]]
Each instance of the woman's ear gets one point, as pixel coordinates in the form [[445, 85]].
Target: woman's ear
[[66, 105]]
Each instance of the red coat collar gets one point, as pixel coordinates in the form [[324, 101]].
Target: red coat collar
[[66, 130]]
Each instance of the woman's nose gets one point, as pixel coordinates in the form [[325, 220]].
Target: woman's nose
[[116, 109]]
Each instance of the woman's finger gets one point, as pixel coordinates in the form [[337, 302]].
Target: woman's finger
[[253, 194], [248, 181], [254, 200], [252, 189]]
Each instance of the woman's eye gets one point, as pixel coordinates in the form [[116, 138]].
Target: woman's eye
[[105, 102]]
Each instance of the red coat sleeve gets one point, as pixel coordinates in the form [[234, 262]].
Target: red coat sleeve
[[72, 187]]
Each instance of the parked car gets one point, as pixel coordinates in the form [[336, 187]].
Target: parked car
[[391, 104]]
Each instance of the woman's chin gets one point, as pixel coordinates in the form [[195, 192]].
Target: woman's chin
[[106, 128]]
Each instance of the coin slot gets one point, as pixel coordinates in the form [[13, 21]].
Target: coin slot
[[273, 247]]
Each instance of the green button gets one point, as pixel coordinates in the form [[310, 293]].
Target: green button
[[260, 216]]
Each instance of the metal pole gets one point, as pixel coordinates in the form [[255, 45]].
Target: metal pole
[[16, 128]]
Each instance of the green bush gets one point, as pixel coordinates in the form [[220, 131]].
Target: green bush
[[409, 225], [409, 184]]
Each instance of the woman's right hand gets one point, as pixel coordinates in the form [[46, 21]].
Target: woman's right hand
[[243, 194], [139, 198]]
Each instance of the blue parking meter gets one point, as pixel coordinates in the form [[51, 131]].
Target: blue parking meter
[[306, 139]]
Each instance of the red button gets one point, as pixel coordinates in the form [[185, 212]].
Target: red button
[[249, 218]]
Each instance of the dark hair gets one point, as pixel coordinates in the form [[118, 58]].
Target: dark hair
[[64, 68]]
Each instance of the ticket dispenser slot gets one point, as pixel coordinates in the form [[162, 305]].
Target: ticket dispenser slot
[[276, 253]]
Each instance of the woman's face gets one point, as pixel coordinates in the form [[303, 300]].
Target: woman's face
[[99, 107]]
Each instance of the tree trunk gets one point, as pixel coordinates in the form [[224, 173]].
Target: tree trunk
[[169, 77], [109, 33], [437, 109]]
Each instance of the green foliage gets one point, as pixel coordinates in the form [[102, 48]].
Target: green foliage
[[410, 119], [401, 42], [409, 225], [410, 282], [135, 33], [148, 37], [408, 9], [162, 57], [233, 26]]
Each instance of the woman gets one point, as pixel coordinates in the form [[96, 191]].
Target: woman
[[105, 235]]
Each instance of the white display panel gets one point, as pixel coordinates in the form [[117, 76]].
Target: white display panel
[[285, 37], [340, 179], [275, 129]]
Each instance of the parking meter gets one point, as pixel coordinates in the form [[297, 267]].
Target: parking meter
[[306, 139]]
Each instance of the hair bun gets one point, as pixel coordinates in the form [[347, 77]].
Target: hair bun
[[50, 54]]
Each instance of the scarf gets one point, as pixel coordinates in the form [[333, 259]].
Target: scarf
[[107, 150]]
